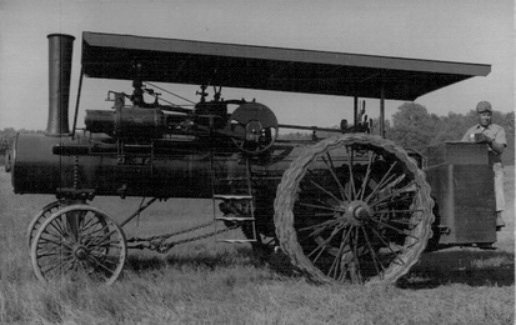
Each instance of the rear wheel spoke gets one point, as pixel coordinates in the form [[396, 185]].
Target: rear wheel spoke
[[355, 270], [322, 189], [386, 178], [326, 241], [321, 207], [391, 195], [365, 181], [337, 261], [384, 241], [331, 168], [399, 231], [351, 176], [373, 254]]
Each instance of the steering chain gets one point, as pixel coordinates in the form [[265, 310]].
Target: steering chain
[[158, 243]]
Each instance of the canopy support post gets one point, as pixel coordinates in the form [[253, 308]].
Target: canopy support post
[[355, 111], [382, 111]]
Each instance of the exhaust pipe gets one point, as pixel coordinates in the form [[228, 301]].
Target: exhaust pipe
[[60, 68]]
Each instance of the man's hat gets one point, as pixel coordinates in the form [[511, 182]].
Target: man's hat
[[484, 106]]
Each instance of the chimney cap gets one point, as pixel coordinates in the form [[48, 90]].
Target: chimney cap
[[60, 35]]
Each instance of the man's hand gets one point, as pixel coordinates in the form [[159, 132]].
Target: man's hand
[[482, 138]]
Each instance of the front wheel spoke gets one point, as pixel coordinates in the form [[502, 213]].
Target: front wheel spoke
[[50, 250], [57, 243], [107, 259], [104, 244], [73, 265], [49, 253], [81, 217], [60, 263], [98, 263], [56, 227], [50, 234], [89, 224], [108, 235], [98, 240], [47, 258], [101, 230], [72, 224], [86, 221]]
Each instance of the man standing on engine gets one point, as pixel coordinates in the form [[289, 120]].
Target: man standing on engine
[[494, 135]]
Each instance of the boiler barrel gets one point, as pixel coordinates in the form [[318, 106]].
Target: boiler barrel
[[36, 169]]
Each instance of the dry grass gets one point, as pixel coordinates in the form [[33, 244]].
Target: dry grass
[[207, 283]]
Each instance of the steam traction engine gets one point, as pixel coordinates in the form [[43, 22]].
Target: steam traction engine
[[351, 207]]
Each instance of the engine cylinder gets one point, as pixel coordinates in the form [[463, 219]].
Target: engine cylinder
[[139, 123]]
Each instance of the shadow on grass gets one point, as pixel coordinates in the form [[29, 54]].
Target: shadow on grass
[[198, 260], [243, 256], [208, 260], [463, 266]]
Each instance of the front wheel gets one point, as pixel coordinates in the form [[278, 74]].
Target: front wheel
[[79, 240], [353, 208]]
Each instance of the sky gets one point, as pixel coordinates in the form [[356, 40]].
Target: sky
[[472, 31]]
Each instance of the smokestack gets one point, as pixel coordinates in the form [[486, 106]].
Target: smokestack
[[60, 67]]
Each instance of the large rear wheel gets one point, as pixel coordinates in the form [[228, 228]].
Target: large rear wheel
[[353, 208]]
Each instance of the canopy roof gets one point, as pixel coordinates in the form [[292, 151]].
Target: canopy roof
[[112, 56]]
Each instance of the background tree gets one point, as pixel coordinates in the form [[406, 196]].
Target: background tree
[[413, 127]]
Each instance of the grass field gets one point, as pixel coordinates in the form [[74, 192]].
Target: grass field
[[208, 283]]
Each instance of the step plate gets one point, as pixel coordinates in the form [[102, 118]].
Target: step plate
[[235, 218], [232, 197], [236, 241]]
